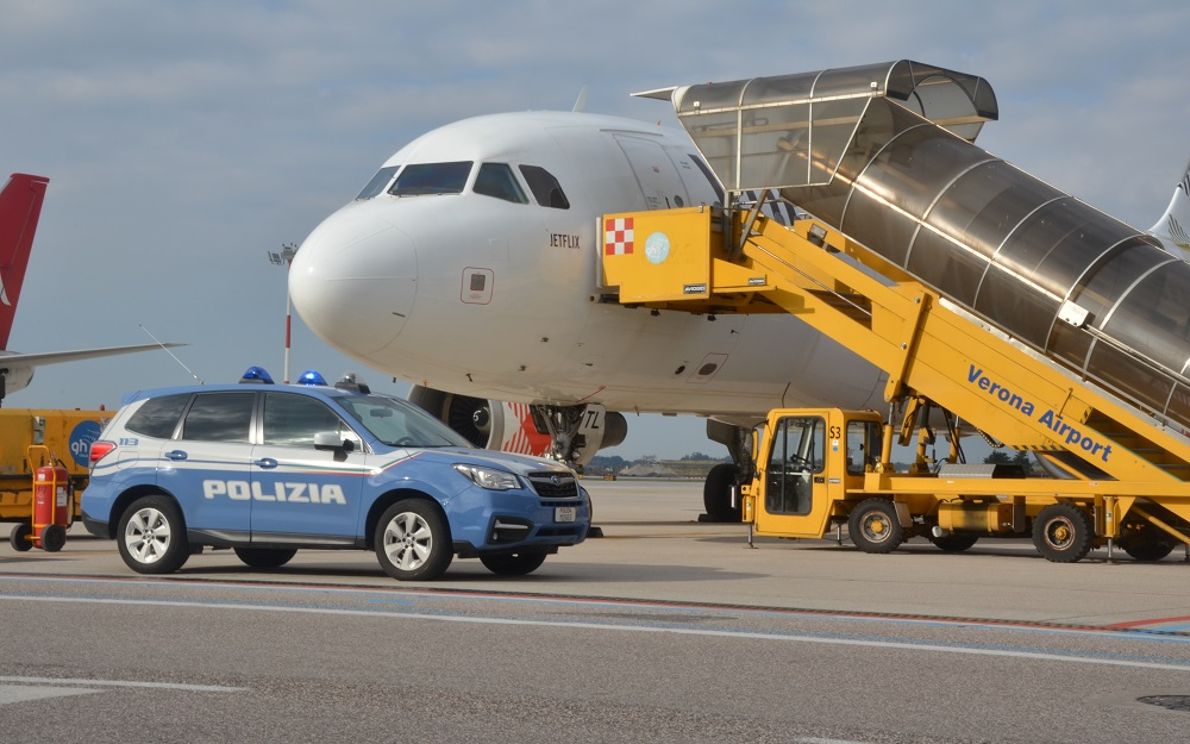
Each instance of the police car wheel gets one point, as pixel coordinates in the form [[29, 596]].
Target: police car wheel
[[264, 557], [152, 536], [513, 564], [412, 541]]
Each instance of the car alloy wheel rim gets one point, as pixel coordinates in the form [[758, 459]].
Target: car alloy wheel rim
[[147, 535], [408, 541]]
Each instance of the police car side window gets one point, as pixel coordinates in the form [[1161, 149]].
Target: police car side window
[[158, 417], [219, 417], [293, 420]]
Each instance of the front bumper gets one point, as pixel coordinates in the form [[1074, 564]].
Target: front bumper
[[485, 521]]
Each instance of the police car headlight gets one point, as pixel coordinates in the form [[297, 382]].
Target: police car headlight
[[496, 480]]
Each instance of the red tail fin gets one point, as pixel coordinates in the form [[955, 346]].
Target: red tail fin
[[20, 208]]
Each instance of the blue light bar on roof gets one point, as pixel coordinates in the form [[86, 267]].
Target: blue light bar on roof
[[311, 377], [257, 376]]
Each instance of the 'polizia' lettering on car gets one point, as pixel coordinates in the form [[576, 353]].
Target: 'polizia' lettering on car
[[294, 493], [268, 469]]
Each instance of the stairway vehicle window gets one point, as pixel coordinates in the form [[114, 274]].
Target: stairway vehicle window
[[797, 454]]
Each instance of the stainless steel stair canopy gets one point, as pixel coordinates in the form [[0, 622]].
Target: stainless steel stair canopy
[[885, 154]]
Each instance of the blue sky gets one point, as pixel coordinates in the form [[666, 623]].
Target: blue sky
[[184, 140]]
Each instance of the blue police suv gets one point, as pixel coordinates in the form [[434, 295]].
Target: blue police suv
[[269, 469]]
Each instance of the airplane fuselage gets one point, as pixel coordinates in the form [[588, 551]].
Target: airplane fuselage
[[494, 298]]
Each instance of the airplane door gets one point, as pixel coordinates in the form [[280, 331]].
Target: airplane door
[[659, 180]]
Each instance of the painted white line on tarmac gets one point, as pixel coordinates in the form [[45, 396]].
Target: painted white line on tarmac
[[481, 595], [10, 694], [746, 635], [119, 683]]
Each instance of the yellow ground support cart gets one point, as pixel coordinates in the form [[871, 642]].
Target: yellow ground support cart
[[856, 201], [32, 438]]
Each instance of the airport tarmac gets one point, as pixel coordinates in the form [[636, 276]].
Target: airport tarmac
[[655, 549], [666, 629]]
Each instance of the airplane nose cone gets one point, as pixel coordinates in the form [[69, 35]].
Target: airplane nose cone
[[353, 281]]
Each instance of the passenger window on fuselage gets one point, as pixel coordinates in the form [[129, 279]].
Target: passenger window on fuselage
[[219, 417], [496, 179], [432, 178], [293, 420], [378, 182], [158, 417], [546, 189]]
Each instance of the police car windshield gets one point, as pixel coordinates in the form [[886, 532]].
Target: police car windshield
[[400, 424]]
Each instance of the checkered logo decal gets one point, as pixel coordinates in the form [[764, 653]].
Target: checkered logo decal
[[617, 236]]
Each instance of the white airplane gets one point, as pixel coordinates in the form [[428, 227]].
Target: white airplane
[[469, 265], [20, 210]]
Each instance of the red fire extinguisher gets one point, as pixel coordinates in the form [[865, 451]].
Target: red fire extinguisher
[[51, 507]]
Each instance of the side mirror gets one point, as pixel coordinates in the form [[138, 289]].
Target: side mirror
[[332, 440]]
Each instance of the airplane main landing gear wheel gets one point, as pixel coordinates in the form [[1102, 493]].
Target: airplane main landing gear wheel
[[1147, 544], [954, 542], [513, 564], [265, 557], [716, 494], [1063, 533]]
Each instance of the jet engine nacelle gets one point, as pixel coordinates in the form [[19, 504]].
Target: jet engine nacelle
[[512, 427], [14, 378]]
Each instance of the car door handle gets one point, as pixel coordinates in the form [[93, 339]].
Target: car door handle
[[266, 462], [176, 454]]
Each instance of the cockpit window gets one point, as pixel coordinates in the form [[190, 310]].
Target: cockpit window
[[546, 189], [496, 179], [378, 182], [432, 178]]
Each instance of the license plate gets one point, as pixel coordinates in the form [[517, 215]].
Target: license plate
[[565, 513]]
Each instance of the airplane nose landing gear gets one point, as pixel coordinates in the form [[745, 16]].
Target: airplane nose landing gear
[[578, 432]]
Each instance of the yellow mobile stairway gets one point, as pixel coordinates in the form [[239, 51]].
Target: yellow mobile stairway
[[1026, 314]]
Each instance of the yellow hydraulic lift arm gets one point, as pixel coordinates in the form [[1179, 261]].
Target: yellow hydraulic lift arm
[[681, 260]]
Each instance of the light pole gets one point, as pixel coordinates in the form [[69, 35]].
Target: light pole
[[285, 258]]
